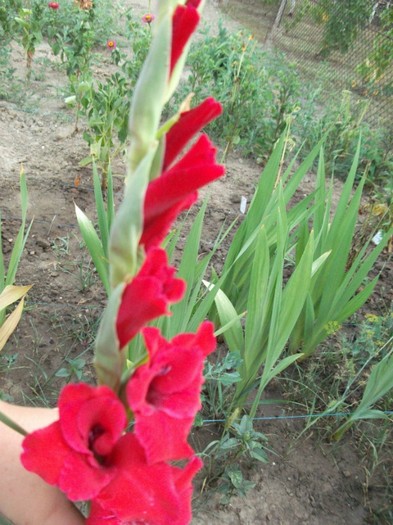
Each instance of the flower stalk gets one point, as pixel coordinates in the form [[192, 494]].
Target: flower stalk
[[129, 476]]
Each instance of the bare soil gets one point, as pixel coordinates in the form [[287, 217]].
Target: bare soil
[[307, 481]]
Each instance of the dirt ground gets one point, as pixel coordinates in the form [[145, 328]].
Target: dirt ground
[[307, 481]]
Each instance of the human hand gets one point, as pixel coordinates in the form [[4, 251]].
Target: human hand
[[25, 498]]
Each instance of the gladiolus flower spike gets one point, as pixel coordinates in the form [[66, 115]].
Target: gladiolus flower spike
[[129, 476]]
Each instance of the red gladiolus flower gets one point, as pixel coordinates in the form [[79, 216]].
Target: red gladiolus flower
[[164, 393], [147, 296], [194, 3], [176, 190], [148, 18], [73, 452], [111, 44], [140, 493], [53, 5], [189, 123], [100, 516], [184, 22]]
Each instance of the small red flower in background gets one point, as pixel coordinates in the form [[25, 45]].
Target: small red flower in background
[[53, 5], [111, 44], [148, 18], [142, 493], [73, 452], [147, 296], [164, 393]]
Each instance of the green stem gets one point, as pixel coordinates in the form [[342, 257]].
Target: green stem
[[7, 421]]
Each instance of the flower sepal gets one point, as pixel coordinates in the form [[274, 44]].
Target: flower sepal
[[125, 254], [151, 86], [109, 361]]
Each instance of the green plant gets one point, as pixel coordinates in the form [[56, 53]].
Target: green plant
[[373, 68], [9, 10], [272, 311], [140, 37], [337, 289], [239, 441], [10, 86], [7, 278], [30, 22], [342, 123], [97, 245], [268, 199], [379, 383], [252, 85], [341, 21], [71, 35], [253, 278], [75, 368], [220, 377], [106, 108]]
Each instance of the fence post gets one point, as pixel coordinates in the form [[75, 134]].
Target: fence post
[[277, 21]]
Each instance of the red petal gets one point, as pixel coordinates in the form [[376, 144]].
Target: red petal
[[194, 170], [182, 367], [176, 190], [82, 482], [183, 479], [71, 399], [184, 22], [107, 413], [204, 339], [44, 453], [74, 394], [147, 296], [185, 403], [155, 231], [194, 3], [140, 491], [99, 516], [150, 431], [189, 123]]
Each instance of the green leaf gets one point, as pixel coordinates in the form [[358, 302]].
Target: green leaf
[[7, 421], [94, 246], [101, 215], [230, 322]]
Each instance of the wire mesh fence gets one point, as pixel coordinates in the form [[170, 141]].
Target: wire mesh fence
[[327, 41]]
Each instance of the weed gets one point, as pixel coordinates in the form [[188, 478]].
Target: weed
[[219, 378], [11, 88], [86, 274], [61, 245], [222, 455], [74, 369]]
